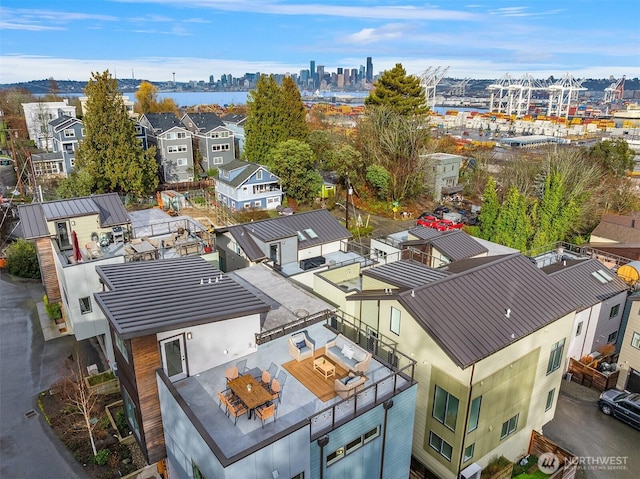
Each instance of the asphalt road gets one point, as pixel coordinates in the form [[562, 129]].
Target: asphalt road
[[28, 365], [583, 430]]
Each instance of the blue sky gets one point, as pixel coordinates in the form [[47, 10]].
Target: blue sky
[[197, 38]]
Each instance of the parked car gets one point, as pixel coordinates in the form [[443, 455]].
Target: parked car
[[441, 209], [427, 220], [449, 225], [622, 405]]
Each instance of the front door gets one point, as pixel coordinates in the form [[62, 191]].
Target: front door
[[62, 233], [173, 357], [274, 253]]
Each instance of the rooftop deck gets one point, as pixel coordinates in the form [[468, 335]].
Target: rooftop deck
[[298, 408]]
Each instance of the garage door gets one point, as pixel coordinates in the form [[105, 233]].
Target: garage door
[[633, 381]]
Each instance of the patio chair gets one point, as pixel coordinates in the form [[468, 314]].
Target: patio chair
[[94, 249], [273, 369], [266, 379], [231, 373], [224, 397], [276, 389], [236, 410], [266, 412], [169, 242], [242, 367], [282, 377], [155, 243], [136, 241]]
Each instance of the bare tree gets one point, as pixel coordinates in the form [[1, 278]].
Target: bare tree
[[77, 392]]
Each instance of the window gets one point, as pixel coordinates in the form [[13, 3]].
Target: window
[[614, 311], [259, 175], [550, 395], [219, 134], [579, 328], [555, 358], [181, 134], [247, 205], [635, 340], [474, 414], [218, 160], [300, 475], [68, 147], [84, 132], [310, 233], [181, 162], [508, 427], [257, 204], [612, 337], [445, 408], [72, 162], [468, 452], [335, 456], [224, 147], [353, 445], [176, 148], [138, 129], [69, 133], [371, 435], [85, 305], [170, 136], [122, 347], [130, 410], [395, 321], [443, 447], [196, 471]]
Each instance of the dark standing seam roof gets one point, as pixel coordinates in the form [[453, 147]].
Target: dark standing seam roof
[[405, 273], [205, 122], [163, 121], [423, 232], [234, 118], [34, 217], [326, 227], [584, 288], [466, 313], [457, 245], [149, 297], [249, 169]]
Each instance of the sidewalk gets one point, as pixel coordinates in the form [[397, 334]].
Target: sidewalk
[[578, 392]]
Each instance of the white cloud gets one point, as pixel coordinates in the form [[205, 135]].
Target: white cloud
[[392, 31]]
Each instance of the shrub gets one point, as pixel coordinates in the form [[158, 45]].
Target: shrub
[[122, 423], [101, 378], [102, 457], [53, 309], [22, 259]]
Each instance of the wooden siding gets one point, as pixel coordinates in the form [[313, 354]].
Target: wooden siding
[[146, 360], [48, 270], [583, 374]]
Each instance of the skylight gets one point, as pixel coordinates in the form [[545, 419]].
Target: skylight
[[601, 276], [301, 237], [310, 233]]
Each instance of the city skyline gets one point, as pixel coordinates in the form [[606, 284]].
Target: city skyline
[[195, 39]]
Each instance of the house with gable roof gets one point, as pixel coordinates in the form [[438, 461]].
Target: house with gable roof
[[235, 122], [173, 142], [67, 133], [489, 336], [243, 185], [215, 140]]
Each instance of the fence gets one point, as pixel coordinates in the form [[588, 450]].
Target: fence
[[587, 376], [568, 463]]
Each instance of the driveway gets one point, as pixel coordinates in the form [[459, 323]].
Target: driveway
[[28, 365], [583, 430]]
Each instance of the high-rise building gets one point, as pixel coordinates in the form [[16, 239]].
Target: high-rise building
[[369, 70], [211, 82], [312, 73]]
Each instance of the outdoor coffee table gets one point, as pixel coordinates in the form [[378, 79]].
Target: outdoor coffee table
[[324, 367]]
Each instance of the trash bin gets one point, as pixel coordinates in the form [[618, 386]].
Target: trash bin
[[568, 376]]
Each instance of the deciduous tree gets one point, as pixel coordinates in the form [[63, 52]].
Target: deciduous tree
[[147, 100], [614, 156], [110, 152], [399, 91]]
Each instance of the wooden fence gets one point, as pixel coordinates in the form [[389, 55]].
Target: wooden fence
[[587, 376], [568, 463], [188, 185]]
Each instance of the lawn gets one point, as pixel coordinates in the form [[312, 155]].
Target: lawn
[[538, 474]]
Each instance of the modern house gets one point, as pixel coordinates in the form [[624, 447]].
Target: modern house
[[62, 231], [128, 105], [215, 140], [67, 133], [292, 244], [243, 185], [629, 357], [599, 295], [427, 245], [489, 341], [442, 174], [178, 341], [235, 122], [173, 142], [39, 114]]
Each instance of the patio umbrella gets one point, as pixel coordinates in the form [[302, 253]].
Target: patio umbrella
[[77, 254]]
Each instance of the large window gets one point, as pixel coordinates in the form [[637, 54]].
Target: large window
[[218, 160], [176, 148], [555, 358], [509, 427], [445, 408], [395, 321], [614, 311], [550, 396], [130, 411], [69, 133], [474, 414], [223, 147], [635, 340], [440, 445]]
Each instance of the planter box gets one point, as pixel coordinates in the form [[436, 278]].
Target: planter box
[[122, 440], [504, 473], [110, 386]]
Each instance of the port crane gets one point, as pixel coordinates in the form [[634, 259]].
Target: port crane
[[615, 91], [562, 93], [429, 81], [459, 88], [500, 94]]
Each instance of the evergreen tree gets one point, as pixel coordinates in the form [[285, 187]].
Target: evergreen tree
[[274, 114], [293, 161], [490, 209], [399, 91], [614, 156], [110, 152], [513, 226]]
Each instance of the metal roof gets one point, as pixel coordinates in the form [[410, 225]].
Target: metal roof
[[162, 121], [234, 118], [474, 314], [457, 245], [405, 273], [149, 297], [585, 287], [205, 122], [423, 232], [34, 217], [316, 226]]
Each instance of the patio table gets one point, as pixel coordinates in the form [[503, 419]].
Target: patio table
[[250, 392], [145, 248]]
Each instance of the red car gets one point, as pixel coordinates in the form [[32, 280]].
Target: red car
[[450, 225], [427, 221]]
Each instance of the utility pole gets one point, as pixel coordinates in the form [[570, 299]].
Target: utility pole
[[346, 204]]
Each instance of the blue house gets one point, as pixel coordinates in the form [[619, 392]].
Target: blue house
[[66, 133], [242, 185]]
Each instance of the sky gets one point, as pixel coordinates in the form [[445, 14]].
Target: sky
[[153, 39]]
